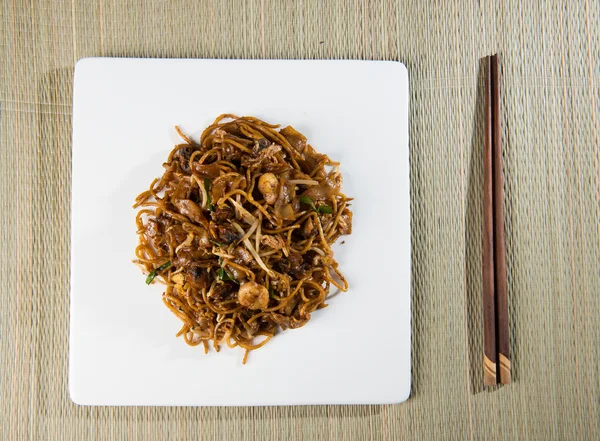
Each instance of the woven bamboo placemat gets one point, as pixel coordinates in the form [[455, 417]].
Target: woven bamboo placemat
[[550, 65]]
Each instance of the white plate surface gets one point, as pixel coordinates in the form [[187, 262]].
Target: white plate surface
[[123, 349]]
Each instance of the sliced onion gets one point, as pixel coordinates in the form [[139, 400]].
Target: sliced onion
[[320, 193], [285, 212], [303, 182]]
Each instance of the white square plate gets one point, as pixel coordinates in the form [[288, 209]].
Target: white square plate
[[123, 349]]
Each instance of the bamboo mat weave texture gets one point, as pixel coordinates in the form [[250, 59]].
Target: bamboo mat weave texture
[[550, 79]]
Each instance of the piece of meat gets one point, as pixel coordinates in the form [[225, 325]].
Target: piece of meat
[[275, 168], [220, 187], [311, 259], [178, 233], [164, 220], [183, 190], [197, 276], [260, 145], [210, 171], [187, 257], [227, 234], [196, 272], [152, 228], [296, 139], [223, 291], [159, 245], [293, 265], [182, 156], [190, 209], [218, 190], [296, 262], [221, 214]]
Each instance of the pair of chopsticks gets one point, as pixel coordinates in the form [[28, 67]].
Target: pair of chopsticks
[[495, 302]]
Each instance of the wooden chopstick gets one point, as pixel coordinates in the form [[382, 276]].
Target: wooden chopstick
[[489, 295], [500, 280], [495, 301]]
